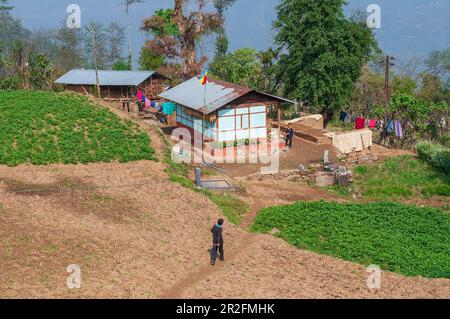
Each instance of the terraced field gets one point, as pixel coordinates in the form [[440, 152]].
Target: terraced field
[[45, 127]]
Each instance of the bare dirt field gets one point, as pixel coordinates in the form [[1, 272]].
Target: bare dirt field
[[135, 234]]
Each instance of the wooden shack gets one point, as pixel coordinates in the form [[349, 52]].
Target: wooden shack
[[114, 85]]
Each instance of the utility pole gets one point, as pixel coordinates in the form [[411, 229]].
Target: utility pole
[[130, 53], [387, 70], [94, 60]]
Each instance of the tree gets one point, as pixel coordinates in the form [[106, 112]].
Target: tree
[[177, 34], [11, 30], [41, 71], [438, 63], [431, 88], [121, 65], [43, 42], [403, 84], [69, 52], [115, 35], [4, 6], [149, 61], [368, 93], [324, 52], [222, 39], [271, 78], [128, 4], [241, 67], [100, 45]]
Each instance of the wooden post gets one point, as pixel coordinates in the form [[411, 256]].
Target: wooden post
[[386, 77], [94, 59], [279, 118]]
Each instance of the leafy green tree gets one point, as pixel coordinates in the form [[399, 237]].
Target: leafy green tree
[[150, 61], [121, 65], [241, 67], [402, 84], [42, 71], [432, 89], [271, 78], [324, 52], [222, 42]]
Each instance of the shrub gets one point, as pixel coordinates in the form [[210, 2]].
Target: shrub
[[398, 177], [435, 154]]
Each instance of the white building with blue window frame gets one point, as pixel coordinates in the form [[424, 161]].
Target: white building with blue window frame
[[222, 111]]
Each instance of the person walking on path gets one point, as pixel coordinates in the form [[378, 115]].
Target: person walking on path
[[289, 136], [217, 242]]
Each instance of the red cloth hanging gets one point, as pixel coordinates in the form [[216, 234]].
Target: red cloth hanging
[[360, 123], [372, 124]]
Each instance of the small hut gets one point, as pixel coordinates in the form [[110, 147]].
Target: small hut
[[114, 85]]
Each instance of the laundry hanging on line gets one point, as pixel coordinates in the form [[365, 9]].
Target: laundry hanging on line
[[343, 116], [398, 129], [360, 123], [390, 127], [139, 95]]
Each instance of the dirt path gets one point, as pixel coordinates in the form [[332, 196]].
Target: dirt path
[[242, 248], [245, 241]]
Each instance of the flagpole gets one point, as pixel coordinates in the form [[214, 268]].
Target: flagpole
[[204, 115]]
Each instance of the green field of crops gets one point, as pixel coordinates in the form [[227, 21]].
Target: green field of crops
[[46, 127], [396, 178], [400, 238]]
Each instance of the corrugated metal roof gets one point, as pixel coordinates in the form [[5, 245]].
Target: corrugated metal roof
[[106, 77], [218, 94]]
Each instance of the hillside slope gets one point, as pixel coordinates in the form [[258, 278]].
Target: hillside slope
[[135, 234]]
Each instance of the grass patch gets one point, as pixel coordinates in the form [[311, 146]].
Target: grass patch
[[232, 207], [45, 127], [400, 238], [399, 177]]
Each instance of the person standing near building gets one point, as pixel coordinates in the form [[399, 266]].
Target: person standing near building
[[289, 136], [217, 242]]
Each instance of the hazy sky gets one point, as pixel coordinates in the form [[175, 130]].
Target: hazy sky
[[410, 28]]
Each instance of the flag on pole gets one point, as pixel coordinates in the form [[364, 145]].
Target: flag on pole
[[204, 78]]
